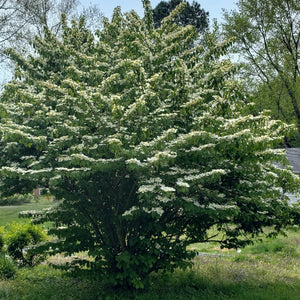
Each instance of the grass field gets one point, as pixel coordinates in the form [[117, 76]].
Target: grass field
[[10, 213], [211, 278], [263, 271]]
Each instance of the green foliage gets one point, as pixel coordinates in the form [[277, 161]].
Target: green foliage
[[7, 267], [267, 38], [19, 240], [147, 141], [275, 97], [274, 246], [16, 199]]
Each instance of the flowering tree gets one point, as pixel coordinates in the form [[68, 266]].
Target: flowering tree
[[146, 140]]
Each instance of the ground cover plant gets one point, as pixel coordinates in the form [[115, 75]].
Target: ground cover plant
[[148, 141]]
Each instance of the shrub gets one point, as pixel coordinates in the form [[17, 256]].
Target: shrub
[[148, 140], [20, 241], [7, 267], [16, 199]]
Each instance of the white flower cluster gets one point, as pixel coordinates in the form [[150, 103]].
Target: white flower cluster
[[157, 210], [134, 161], [146, 188], [200, 148], [181, 183], [163, 199], [215, 172], [191, 137], [114, 141], [162, 156], [236, 135], [153, 180], [136, 107], [158, 140], [130, 211], [179, 171], [167, 189], [279, 152], [71, 170], [222, 207]]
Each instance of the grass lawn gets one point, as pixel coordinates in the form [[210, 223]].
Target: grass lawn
[[263, 271], [211, 278], [10, 213]]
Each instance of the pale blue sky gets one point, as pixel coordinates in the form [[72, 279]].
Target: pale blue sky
[[214, 7]]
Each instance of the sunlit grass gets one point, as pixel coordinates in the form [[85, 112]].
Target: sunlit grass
[[9, 214]]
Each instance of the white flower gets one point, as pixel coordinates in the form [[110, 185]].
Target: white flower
[[146, 188], [167, 189], [163, 199], [158, 210], [130, 211], [182, 183], [134, 161]]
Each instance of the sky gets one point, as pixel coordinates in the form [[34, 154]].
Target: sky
[[214, 7]]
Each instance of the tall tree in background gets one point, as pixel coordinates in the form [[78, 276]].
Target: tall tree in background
[[21, 20], [268, 38], [193, 14]]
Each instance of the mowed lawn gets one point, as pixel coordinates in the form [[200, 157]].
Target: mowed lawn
[[9, 214]]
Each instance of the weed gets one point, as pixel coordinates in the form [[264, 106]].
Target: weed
[[7, 267]]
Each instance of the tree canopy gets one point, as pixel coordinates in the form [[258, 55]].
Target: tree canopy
[[192, 14], [148, 143], [267, 36]]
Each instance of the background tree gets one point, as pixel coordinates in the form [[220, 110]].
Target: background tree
[[267, 36], [148, 143], [21, 20], [193, 14]]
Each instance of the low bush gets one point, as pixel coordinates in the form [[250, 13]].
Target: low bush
[[16, 199], [7, 267], [20, 241]]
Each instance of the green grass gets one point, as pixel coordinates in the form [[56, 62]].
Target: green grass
[[210, 278], [281, 245], [9, 214], [263, 271]]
